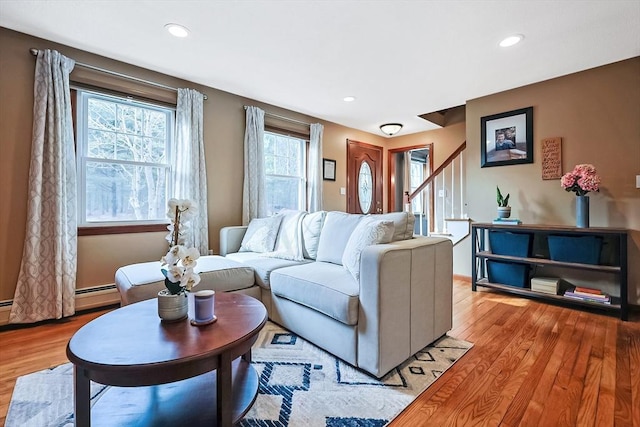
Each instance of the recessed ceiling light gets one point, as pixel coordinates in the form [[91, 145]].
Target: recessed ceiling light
[[511, 40], [349, 98], [177, 30]]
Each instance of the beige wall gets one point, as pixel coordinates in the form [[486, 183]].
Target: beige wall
[[597, 114], [100, 256]]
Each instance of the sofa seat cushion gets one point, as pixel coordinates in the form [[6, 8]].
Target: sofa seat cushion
[[262, 265], [324, 287]]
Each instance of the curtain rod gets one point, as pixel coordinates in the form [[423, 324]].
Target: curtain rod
[[276, 116], [34, 52]]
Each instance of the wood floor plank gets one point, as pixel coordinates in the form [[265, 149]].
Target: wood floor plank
[[607, 393], [623, 414], [521, 351], [634, 363]]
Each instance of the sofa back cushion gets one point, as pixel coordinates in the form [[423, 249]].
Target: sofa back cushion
[[336, 231], [403, 223], [311, 228], [261, 234]]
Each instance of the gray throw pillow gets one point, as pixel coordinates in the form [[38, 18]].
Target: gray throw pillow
[[261, 234]]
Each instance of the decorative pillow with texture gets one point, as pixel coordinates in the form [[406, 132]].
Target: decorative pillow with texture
[[336, 230], [370, 231], [261, 234], [403, 222], [311, 228]]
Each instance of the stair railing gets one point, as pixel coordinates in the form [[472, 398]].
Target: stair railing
[[437, 214]]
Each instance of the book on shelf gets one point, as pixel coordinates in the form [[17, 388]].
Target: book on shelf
[[590, 295], [603, 299], [583, 289], [507, 221]]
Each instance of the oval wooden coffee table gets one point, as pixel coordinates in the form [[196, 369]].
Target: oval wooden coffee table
[[169, 374]]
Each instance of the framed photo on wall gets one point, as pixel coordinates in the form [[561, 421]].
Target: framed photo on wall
[[507, 138], [328, 170]]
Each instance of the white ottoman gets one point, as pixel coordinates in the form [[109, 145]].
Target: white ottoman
[[139, 282]]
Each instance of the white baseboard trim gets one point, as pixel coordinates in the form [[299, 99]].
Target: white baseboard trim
[[86, 299]]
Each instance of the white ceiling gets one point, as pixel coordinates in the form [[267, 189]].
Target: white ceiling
[[399, 58]]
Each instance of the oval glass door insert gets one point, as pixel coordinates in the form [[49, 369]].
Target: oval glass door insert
[[365, 187]]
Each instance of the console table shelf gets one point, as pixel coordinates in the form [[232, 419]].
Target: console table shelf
[[612, 264]]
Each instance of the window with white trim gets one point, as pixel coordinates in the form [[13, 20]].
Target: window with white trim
[[123, 150], [285, 172]]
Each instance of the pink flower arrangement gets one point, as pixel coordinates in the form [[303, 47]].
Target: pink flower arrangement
[[581, 180]]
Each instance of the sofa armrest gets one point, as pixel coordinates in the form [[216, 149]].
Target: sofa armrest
[[405, 300], [231, 238]]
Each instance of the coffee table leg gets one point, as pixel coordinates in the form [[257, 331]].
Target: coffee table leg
[[224, 392], [82, 395]]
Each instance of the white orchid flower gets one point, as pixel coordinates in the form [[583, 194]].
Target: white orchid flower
[[192, 279], [175, 274], [190, 257]]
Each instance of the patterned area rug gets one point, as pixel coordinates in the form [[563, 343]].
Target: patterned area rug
[[300, 385]]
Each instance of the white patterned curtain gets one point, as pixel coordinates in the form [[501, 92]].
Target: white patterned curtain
[[189, 169], [253, 202], [314, 183], [47, 280]]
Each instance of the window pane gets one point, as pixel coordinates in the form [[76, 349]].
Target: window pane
[[101, 145], [101, 114], [282, 193], [116, 192]]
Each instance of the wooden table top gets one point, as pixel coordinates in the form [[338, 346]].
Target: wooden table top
[[131, 343]]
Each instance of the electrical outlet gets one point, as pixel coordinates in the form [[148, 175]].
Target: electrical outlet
[[442, 193]]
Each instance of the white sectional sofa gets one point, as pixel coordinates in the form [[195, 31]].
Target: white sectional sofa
[[361, 287]]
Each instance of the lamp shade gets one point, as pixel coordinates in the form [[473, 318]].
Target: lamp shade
[[391, 128]]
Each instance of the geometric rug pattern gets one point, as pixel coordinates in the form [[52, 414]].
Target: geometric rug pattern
[[300, 385]]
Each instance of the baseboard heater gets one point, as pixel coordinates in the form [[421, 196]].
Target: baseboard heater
[[86, 299]]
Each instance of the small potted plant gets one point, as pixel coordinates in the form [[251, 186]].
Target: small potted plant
[[504, 210], [180, 262]]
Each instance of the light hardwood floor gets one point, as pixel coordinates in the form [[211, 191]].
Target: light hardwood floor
[[532, 364]]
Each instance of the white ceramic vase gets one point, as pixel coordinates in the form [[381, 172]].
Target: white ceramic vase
[[504, 212], [172, 307]]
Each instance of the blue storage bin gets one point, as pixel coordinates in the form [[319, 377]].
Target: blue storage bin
[[507, 273], [583, 250], [508, 243]]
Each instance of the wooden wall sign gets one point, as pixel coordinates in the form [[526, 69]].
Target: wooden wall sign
[[552, 158]]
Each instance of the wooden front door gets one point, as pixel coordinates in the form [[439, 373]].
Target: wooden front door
[[364, 178]]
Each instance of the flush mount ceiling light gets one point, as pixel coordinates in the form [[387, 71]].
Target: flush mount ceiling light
[[349, 98], [390, 128], [511, 40], [177, 30]]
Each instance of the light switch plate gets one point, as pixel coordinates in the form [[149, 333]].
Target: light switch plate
[[637, 181], [343, 191]]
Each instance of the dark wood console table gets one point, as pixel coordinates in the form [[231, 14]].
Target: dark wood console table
[[613, 263], [167, 373]]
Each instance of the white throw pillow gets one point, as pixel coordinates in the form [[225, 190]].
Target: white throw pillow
[[261, 234], [336, 230], [289, 242], [370, 231], [311, 228]]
